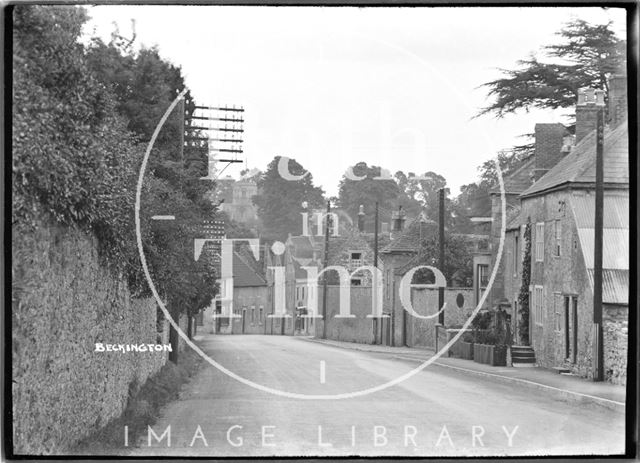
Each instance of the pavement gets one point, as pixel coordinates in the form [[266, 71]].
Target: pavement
[[569, 387], [436, 412]]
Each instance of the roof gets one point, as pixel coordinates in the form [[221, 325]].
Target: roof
[[243, 273], [350, 240], [578, 167], [519, 180], [409, 241], [302, 247], [615, 252]]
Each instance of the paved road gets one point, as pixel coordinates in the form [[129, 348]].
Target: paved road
[[437, 406]]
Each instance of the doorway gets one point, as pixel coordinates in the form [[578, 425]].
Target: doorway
[[571, 328]]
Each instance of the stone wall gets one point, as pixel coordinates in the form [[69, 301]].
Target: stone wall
[[616, 342], [421, 332], [358, 329], [63, 302]]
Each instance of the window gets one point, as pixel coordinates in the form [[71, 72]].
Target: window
[[356, 258], [261, 314], [483, 275], [482, 279], [387, 283], [540, 242], [558, 304], [253, 314], [356, 282], [516, 255], [538, 304], [558, 233]]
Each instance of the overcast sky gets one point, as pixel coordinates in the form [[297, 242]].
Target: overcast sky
[[329, 87]]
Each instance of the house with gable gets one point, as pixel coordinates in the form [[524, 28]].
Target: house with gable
[[250, 294], [400, 327], [557, 214]]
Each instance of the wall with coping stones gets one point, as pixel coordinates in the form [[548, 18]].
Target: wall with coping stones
[[63, 302]]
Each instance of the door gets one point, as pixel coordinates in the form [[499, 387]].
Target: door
[[514, 321], [567, 327]]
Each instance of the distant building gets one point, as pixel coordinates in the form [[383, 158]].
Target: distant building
[[236, 198], [250, 295]]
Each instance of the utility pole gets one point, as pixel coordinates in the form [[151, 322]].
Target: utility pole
[[324, 277], [198, 141], [598, 371], [441, 259], [376, 321], [174, 340]]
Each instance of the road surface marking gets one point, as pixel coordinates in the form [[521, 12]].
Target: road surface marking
[[322, 372]]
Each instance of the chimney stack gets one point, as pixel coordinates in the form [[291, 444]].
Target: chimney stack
[[589, 102], [361, 219], [549, 141], [398, 220], [617, 99]]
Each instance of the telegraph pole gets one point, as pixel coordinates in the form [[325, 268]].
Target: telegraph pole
[[324, 278], [441, 259], [598, 371], [376, 321], [196, 137]]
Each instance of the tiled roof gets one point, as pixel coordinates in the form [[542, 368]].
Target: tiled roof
[[350, 240], [243, 273], [579, 166], [409, 241], [519, 180], [615, 252], [303, 248], [301, 273]]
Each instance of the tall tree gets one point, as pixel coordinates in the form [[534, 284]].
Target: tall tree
[[588, 54], [280, 200]]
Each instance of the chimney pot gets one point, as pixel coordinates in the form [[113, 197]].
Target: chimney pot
[[587, 112]]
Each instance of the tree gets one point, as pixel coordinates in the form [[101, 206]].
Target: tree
[[588, 53], [82, 118], [458, 268], [279, 201]]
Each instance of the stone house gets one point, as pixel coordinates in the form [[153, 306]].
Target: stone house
[[348, 248], [250, 295], [400, 327], [559, 207]]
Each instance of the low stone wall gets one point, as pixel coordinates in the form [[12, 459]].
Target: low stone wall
[[63, 303]]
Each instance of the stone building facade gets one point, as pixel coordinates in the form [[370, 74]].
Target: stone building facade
[[559, 207]]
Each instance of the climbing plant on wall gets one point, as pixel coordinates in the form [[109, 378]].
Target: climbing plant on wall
[[523, 296]]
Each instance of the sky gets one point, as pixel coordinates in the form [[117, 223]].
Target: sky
[[333, 86]]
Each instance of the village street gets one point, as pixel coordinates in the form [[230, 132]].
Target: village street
[[438, 405]]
